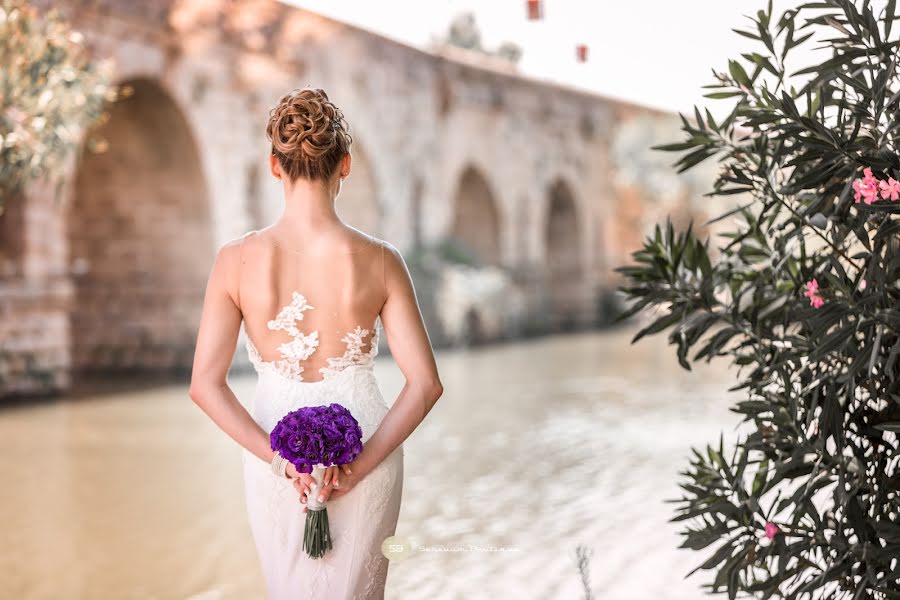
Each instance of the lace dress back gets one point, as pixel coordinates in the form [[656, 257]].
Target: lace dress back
[[312, 328], [308, 317]]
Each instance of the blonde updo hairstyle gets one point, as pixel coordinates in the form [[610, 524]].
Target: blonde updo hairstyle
[[308, 133]]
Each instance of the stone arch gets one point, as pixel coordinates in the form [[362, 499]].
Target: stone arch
[[357, 203], [140, 238], [565, 268], [12, 235], [523, 218], [416, 213], [476, 218]]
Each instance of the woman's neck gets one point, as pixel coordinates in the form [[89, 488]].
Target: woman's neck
[[308, 208]]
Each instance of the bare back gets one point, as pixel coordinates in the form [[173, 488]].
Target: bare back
[[309, 316]]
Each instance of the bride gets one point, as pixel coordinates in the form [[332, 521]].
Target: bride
[[313, 294]]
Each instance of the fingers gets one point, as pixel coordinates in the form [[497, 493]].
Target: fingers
[[325, 493], [306, 485], [331, 477], [303, 488]]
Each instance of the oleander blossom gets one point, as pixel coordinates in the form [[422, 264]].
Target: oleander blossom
[[312, 435], [889, 189], [812, 292], [868, 188]]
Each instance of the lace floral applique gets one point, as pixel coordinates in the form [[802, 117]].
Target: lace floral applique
[[301, 345], [380, 484], [290, 314], [354, 354], [376, 569]]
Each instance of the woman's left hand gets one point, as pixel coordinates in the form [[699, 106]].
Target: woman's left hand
[[336, 477], [352, 473], [343, 479]]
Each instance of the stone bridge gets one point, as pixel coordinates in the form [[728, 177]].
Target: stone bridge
[[455, 154]]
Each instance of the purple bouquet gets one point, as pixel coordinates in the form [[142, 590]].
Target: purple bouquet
[[313, 438]]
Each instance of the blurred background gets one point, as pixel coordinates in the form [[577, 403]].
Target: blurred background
[[504, 147]]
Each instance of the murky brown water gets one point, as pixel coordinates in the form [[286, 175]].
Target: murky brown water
[[534, 448]]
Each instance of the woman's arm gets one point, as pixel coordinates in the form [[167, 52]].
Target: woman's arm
[[220, 324], [411, 349]]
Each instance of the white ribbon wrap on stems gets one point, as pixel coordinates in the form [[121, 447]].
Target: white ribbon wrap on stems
[[312, 501]]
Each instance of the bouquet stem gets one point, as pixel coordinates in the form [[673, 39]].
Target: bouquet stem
[[316, 532]]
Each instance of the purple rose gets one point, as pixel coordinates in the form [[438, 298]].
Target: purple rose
[[312, 435]]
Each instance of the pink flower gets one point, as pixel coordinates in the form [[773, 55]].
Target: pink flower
[[862, 284], [891, 188], [866, 188], [812, 292], [771, 530]]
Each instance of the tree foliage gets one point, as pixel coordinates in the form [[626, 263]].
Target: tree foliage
[[50, 90], [819, 387]]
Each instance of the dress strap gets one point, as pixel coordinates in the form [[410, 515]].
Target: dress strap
[[241, 263]]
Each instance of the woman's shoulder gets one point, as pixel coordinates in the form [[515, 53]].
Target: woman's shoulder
[[252, 242], [231, 253], [390, 252], [395, 267], [249, 236], [373, 243], [233, 246]]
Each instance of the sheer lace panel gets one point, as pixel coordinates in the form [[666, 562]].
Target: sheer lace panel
[[327, 318]]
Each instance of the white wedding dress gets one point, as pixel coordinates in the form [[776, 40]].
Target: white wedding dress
[[315, 322]]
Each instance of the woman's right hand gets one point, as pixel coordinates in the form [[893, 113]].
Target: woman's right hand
[[305, 482]]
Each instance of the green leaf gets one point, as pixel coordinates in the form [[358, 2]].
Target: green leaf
[[721, 95], [658, 325], [738, 72], [759, 482]]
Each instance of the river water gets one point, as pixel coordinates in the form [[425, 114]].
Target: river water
[[535, 447]]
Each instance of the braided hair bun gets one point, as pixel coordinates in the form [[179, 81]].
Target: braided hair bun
[[308, 133]]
